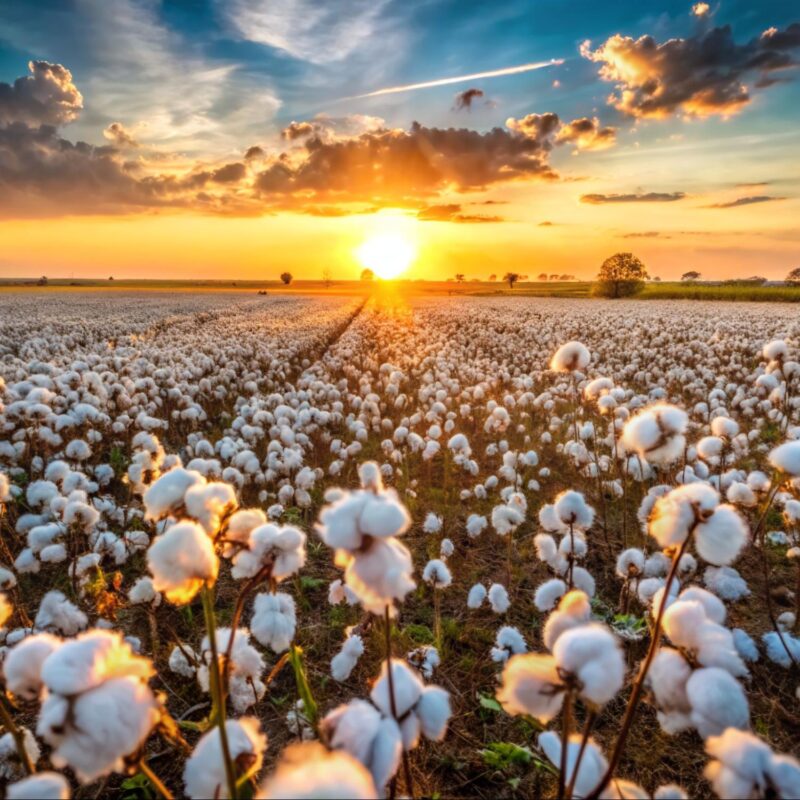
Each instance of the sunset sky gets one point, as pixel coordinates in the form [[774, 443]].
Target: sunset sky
[[238, 138]]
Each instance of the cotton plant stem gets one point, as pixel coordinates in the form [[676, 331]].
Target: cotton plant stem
[[16, 734], [218, 691], [638, 686], [158, 785], [566, 724]]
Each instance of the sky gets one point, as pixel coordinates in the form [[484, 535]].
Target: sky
[[231, 139]]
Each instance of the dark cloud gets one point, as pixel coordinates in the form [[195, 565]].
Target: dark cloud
[[587, 134], [297, 130], [464, 100], [230, 173], [649, 197], [119, 136], [45, 97], [646, 235], [254, 153], [546, 224], [451, 212], [701, 75], [746, 201]]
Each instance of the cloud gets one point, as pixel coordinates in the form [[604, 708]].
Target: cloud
[[699, 76], [119, 136], [328, 128], [45, 97], [587, 134], [297, 130], [229, 173], [254, 153], [746, 201], [463, 100], [451, 212], [648, 197], [321, 33], [646, 235]]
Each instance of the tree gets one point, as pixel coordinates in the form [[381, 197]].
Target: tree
[[511, 278], [493, 277], [567, 277], [794, 276], [367, 275], [460, 277], [42, 281], [286, 278], [326, 276], [690, 276], [621, 275], [554, 277], [542, 276]]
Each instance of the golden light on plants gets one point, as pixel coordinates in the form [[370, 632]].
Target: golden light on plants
[[388, 255]]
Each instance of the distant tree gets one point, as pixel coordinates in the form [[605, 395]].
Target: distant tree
[[793, 276], [523, 277], [111, 277], [756, 279], [511, 278], [566, 277], [621, 275], [460, 277], [656, 279], [326, 276], [692, 275], [542, 276], [553, 277], [493, 277], [367, 275], [42, 281], [286, 278]]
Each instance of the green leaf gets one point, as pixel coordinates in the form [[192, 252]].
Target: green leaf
[[487, 701], [303, 689], [312, 584], [502, 755]]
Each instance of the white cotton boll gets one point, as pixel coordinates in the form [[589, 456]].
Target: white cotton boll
[[93, 732], [437, 574], [713, 606], [204, 772], [40, 786], [741, 494], [572, 509], [786, 458], [344, 662], [778, 645], [7, 579], [22, 667], [11, 768], [656, 433], [575, 544], [446, 548], [546, 548], [592, 766], [630, 563], [675, 513], [724, 426], [657, 565], [592, 654], [582, 579], [208, 503], [775, 350], [530, 686], [181, 561], [667, 678], [310, 770], [282, 547], [509, 641], [721, 538], [745, 645], [143, 593], [687, 566], [670, 791], [407, 689], [380, 575], [59, 615], [53, 554], [717, 701], [274, 620], [476, 524], [166, 495], [243, 523], [709, 448], [476, 596], [433, 523], [506, 519], [573, 611], [549, 519], [549, 593], [433, 711], [570, 357], [498, 598], [183, 661], [726, 583]]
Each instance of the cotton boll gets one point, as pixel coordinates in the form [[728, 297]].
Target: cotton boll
[[549, 593], [657, 565], [726, 583], [506, 519], [745, 646], [670, 791], [476, 596], [550, 520], [274, 620], [498, 597], [741, 494], [717, 700], [570, 357], [573, 611], [546, 548], [344, 662], [242, 523], [309, 770], [279, 549], [721, 538], [437, 574], [143, 593], [676, 513], [591, 653], [786, 458], [572, 509], [407, 689], [531, 685], [183, 661], [446, 548], [778, 645], [425, 659], [714, 608], [11, 768], [209, 503], [593, 764], [582, 579], [181, 561], [433, 711], [432, 524], [59, 615], [476, 524], [166, 495], [656, 433], [630, 563], [40, 786], [204, 772], [22, 666], [667, 678]]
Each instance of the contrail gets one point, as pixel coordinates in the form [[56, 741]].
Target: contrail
[[494, 73]]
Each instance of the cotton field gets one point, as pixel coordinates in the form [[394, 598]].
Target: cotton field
[[289, 547]]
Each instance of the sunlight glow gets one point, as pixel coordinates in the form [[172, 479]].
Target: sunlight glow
[[388, 255]]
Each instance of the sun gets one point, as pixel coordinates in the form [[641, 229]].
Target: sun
[[388, 255]]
